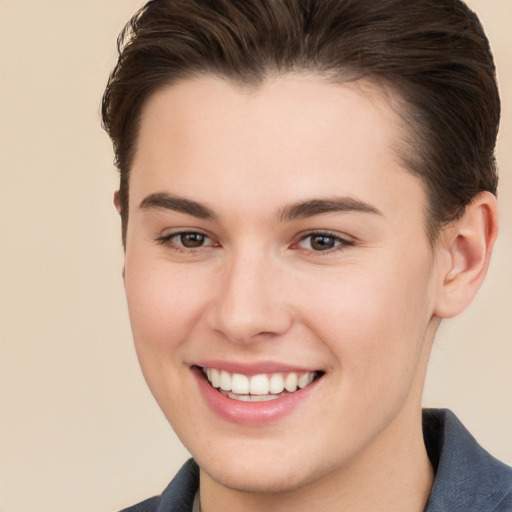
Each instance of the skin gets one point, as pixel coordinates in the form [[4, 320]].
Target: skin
[[364, 312]]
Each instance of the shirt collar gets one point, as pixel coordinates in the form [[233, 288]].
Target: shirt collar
[[467, 479]]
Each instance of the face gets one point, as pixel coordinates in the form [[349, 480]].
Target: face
[[280, 281]]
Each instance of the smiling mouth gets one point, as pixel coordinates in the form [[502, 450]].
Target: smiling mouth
[[258, 388]]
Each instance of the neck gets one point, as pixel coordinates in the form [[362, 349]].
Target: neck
[[392, 474]]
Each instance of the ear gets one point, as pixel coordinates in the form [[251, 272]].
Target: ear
[[117, 201], [466, 246]]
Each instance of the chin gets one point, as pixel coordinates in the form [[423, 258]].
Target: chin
[[256, 483], [254, 476]]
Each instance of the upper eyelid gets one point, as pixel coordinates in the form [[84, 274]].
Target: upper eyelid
[[326, 232], [167, 237], [181, 231]]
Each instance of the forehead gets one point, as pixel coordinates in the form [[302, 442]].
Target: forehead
[[292, 136]]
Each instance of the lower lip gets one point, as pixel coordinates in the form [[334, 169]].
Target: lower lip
[[250, 413]]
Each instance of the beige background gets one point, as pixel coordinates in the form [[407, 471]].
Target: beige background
[[78, 429]]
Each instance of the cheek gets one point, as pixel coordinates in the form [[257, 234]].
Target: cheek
[[164, 307], [164, 304], [374, 317]]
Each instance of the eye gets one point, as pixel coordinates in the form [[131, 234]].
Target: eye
[[322, 242], [190, 240], [186, 240]]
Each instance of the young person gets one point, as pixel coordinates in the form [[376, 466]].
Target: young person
[[307, 190]]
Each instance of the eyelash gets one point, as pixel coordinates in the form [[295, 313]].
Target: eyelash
[[340, 243]]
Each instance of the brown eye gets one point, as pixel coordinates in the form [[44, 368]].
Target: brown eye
[[322, 242], [192, 240]]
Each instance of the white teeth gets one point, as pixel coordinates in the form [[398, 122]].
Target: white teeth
[[225, 381], [276, 385], [240, 384], [290, 383], [258, 387], [252, 398], [214, 378], [304, 380]]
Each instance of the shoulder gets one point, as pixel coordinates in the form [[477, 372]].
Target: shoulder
[[177, 497], [468, 479]]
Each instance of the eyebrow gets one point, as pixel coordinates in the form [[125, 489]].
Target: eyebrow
[[304, 209], [163, 200], [294, 211]]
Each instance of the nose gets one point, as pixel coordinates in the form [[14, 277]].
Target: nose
[[250, 302]]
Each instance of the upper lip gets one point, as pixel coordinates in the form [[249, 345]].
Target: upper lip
[[254, 368]]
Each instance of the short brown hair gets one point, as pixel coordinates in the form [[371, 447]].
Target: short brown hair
[[433, 53]]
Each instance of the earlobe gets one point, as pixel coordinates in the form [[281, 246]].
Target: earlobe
[[467, 246]]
